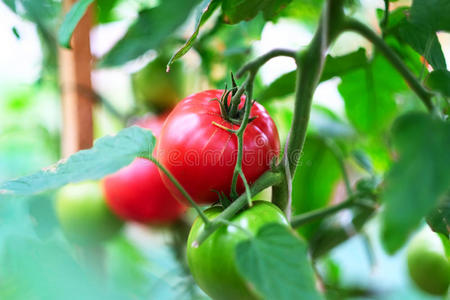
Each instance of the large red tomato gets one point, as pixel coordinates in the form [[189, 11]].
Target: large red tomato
[[137, 193], [202, 156]]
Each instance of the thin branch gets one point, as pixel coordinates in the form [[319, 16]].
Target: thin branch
[[393, 58], [318, 214], [240, 137], [254, 65], [340, 159], [247, 188]]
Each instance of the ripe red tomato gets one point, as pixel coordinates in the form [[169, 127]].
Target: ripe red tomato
[[202, 156], [137, 193]]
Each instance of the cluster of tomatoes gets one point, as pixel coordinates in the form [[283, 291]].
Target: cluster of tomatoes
[[198, 153], [194, 145]]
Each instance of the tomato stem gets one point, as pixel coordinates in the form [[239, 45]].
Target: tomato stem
[[256, 64], [248, 85], [340, 159], [247, 188], [317, 214], [266, 180], [393, 58], [182, 190], [311, 62]]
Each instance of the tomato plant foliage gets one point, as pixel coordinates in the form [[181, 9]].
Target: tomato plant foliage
[[373, 150]]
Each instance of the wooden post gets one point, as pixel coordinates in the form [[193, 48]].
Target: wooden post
[[76, 89]]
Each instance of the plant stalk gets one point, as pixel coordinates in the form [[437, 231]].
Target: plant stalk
[[393, 58], [266, 180], [311, 62], [314, 215]]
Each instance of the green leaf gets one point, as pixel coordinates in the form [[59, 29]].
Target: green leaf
[[152, 28], [236, 11], [280, 87], [71, 20], [41, 12], [127, 267], [108, 155], [105, 10], [418, 179], [134, 273], [369, 95], [332, 234], [46, 270], [334, 66], [433, 14], [363, 160], [439, 80], [314, 180], [423, 40], [439, 218], [340, 65], [326, 124], [206, 9], [273, 7], [276, 264], [11, 4], [305, 11]]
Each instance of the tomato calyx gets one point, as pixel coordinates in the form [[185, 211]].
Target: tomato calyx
[[224, 200], [229, 109]]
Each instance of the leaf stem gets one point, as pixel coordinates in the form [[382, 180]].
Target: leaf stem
[[340, 159], [182, 190], [247, 188], [254, 65], [240, 137], [393, 58], [317, 214]]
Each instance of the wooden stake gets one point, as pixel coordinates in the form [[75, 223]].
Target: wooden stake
[[76, 88]]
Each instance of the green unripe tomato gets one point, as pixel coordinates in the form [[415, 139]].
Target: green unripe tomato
[[428, 265], [213, 263], [157, 89], [84, 215]]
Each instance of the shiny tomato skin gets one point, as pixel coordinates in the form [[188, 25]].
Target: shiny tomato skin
[[202, 156], [137, 193], [213, 263]]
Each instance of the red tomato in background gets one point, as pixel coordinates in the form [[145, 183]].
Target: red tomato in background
[[137, 193], [202, 156]]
